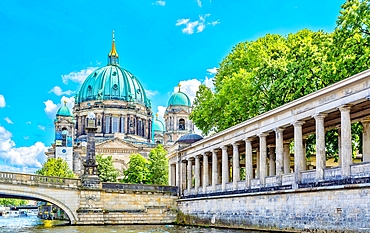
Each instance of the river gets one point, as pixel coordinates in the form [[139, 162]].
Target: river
[[34, 224]]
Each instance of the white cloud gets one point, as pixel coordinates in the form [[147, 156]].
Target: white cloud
[[161, 3], [28, 122], [51, 108], [2, 101], [26, 137], [78, 76], [23, 159], [212, 71], [209, 82], [150, 93], [58, 91], [182, 21], [199, 2], [7, 119], [41, 127], [199, 25]]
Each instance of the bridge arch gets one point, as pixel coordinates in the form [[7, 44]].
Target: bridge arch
[[42, 197]]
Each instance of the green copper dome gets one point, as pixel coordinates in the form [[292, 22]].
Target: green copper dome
[[179, 99], [64, 111], [158, 125], [112, 82]]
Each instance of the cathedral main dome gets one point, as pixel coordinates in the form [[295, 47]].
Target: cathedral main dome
[[112, 82]]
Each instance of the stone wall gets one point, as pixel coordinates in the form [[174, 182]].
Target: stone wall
[[329, 209], [128, 204]]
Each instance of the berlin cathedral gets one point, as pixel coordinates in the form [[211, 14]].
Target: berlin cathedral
[[123, 118]]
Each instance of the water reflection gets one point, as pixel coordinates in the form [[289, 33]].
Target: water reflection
[[34, 224]]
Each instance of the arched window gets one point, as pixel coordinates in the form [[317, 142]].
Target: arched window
[[107, 124], [181, 124]]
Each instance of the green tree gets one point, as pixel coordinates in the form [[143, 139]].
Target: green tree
[[158, 166], [260, 75], [56, 167], [138, 171], [12, 202], [106, 171]]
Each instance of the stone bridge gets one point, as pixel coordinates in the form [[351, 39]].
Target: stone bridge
[[113, 203]]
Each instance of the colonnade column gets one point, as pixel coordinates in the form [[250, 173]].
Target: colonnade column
[[366, 139], [236, 165], [183, 176], [286, 157], [298, 151], [197, 173], [346, 142], [178, 172], [189, 176], [262, 159], [205, 172], [320, 146], [225, 168], [279, 154], [248, 162], [173, 175], [272, 165], [214, 170]]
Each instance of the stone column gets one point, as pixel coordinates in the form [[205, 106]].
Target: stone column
[[189, 176], [197, 173], [298, 151], [173, 175], [183, 176], [320, 146], [286, 157], [279, 153], [214, 170], [258, 165], [366, 139], [272, 165], [339, 147], [346, 142], [236, 165], [248, 162], [263, 157], [178, 172], [225, 168], [205, 172]]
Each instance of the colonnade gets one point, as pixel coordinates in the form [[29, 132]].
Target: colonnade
[[218, 168]]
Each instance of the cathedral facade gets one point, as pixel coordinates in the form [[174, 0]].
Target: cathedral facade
[[124, 118]]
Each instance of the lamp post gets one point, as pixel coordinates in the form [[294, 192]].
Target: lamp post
[[90, 177]]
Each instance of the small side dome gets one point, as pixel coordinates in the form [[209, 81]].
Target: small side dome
[[179, 99], [158, 125], [189, 138], [64, 111]]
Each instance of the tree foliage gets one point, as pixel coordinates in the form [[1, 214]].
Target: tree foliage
[[106, 171], [258, 76], [261, 75], [56, 167], [138, 170], [12, 202], [158, 166]]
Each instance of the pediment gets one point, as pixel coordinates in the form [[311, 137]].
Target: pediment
[[115, 143]]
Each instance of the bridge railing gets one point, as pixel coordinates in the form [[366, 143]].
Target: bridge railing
[[31, 179]]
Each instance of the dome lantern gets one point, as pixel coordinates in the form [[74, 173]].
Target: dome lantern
[[113, 55]]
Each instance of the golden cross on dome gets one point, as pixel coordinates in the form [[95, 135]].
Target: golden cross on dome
[[65, 102], [179, 85]]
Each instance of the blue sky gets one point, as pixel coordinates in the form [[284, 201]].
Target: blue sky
[[47, 48]]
